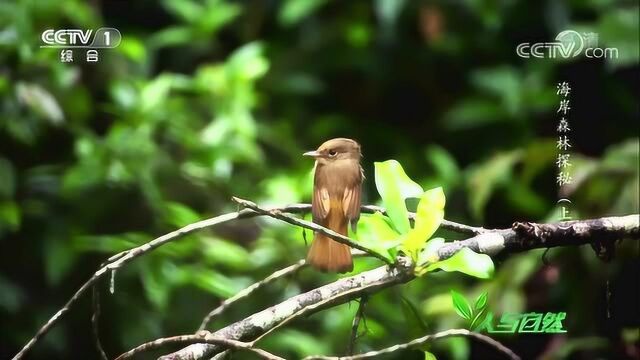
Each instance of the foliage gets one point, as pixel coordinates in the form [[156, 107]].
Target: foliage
[[206, 99], [395, 187]]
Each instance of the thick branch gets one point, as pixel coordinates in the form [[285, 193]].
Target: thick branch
[[338, 292], [490, 242], [527, 236]]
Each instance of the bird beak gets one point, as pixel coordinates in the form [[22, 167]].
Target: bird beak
[[314, 154]]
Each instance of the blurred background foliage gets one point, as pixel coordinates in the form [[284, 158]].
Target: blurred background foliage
[[205, 99]]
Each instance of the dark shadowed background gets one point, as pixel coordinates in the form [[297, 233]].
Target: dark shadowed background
[[206, 99]]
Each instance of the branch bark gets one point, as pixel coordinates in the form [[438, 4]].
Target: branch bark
[[124, 257], [521, 237]]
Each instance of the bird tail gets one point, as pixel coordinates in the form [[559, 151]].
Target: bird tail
[[328, 255]]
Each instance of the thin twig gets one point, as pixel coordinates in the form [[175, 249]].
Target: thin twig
[[338, 298], [419, 341], [95, 294], [276, 214], [370, 209], [255, 286], [122, 259], [249, 290], [356, 324], [199, 338]]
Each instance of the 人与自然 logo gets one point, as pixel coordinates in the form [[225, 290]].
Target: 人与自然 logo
[[568, 44], [480, 319]]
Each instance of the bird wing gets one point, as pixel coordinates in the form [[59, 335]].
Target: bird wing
[[320, 204], [351, 203]]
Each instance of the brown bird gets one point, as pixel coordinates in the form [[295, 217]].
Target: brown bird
[[336, 201]]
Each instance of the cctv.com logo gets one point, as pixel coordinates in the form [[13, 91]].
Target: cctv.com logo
[[569, 43]]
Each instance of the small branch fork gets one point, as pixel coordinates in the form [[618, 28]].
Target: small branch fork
[[249, 290], [277, 214], [521, 237], [356, 324], [202, 337]]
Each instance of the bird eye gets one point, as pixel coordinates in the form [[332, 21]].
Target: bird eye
[[333, 153]]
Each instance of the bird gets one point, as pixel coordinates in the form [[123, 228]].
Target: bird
[[337, 183]]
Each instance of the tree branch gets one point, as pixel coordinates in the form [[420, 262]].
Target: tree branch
[[122, 259], [126, 256], [277, 214], [356, 324], [261, 323], [517, 239], [525, 236], [201, 337], [520, 238], [419, 341], [249, 290]]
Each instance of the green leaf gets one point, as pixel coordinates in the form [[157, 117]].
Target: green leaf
[[394, 186], [429, 254], [375, 228], [468, 262], [430, 212], [134, 49], [619, 29], [215, 282], [10, 216], [155, 92], [296, 342], [179, 215], [188, 11], [171, 36], [443, 164], [481, 301], [455, 348], [429, 356], [7, 179], [295, 10], [428, 218], [414, 322], [156, 289], [230, 254], [376, 233], [461, 305], [473, 113], [40, 101], [59, 259], [484, 178]]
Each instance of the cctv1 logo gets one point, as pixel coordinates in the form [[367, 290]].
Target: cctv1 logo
[[75, 38]]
